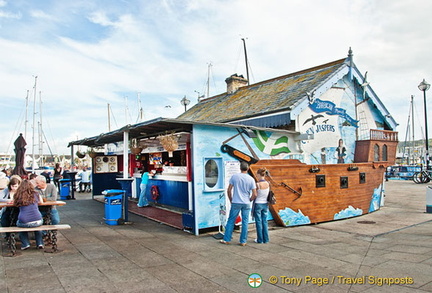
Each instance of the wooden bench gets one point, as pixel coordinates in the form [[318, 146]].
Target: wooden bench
[[50, 238]]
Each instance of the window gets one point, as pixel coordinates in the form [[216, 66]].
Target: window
[[213, 174], [376, 153], [384, 153]]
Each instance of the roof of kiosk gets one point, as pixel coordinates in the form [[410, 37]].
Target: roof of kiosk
[[155, 127]]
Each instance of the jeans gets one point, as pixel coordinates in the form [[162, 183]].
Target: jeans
[[55, 217], [24, 235], [260, 214], [236, 208], [142, 201], [87, 186]]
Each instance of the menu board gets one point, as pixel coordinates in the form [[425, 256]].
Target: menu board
[[231, 168], [105, 164], [155, 159]]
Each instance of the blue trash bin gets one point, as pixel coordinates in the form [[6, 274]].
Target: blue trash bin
[[113, 205], [64, 188]]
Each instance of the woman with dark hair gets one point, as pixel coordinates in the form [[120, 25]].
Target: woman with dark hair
[[10, 213], [27, 199], [12, 187], [58, 174]]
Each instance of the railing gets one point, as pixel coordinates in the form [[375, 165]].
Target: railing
[[388, 135]]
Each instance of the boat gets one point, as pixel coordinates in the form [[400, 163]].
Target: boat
[[310, 194], [412, 152], [402, 172]]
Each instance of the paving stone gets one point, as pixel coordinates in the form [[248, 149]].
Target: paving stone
[[149, 257]]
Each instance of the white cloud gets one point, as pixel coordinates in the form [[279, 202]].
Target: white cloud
[[4, 14]]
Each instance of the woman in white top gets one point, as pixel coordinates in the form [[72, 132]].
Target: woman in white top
[[261, 207]]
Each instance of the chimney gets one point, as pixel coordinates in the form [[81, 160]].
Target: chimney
[[234, 82]]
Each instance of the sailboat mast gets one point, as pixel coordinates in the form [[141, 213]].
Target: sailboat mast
[[109, 118], [246, 60], [141, 112], [26, 116], [40, 130], [407, 136], [208, 79], [34, 121], [412, 127]]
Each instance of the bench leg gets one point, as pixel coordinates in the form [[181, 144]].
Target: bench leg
[[50, 239], [54, 240], [12, 243]]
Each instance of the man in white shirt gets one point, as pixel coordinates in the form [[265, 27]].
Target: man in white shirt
[[85, 180], [241, 192]]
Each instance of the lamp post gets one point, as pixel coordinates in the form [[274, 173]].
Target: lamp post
[[424, 86], [185, 101]]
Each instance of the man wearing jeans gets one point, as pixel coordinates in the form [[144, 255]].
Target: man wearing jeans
[[239, 191], [48, 191]]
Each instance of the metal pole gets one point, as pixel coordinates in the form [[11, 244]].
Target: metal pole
[[426, 129], [246, 60]]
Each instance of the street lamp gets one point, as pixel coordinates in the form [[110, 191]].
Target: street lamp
[[185, 101], [424, 86]]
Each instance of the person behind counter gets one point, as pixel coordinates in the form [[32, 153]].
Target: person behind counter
[[142, 201]]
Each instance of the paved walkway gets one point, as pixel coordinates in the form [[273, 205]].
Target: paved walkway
[[363, 254]]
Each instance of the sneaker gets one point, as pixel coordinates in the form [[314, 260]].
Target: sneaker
[[224, 242], [25, 247], [40, 246], [242, 244]]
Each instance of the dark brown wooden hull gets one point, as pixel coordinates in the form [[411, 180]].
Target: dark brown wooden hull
[[321, 193]]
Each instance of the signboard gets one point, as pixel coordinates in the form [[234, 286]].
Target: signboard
[[105, 164]]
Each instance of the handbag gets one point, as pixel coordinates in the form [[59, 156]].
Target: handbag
[[271, 199]]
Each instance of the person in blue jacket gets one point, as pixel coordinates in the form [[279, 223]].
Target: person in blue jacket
[[142, 201]]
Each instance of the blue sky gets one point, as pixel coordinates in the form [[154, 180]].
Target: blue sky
[[88, 54]]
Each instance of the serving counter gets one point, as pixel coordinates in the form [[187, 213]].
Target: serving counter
[[169, 188]]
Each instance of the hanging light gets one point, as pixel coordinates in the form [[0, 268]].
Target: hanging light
[[169, 143]]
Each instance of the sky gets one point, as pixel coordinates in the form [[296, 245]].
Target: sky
[[70, 61]]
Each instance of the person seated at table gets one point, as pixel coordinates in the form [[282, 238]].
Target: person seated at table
[[8, 196], [32, 178], [11, 187], [10, 214], [85, 176], [27, 199], [48, 191], [47, 175], [4, 181]]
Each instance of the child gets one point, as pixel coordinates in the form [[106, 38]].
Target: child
[[26, 199]]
